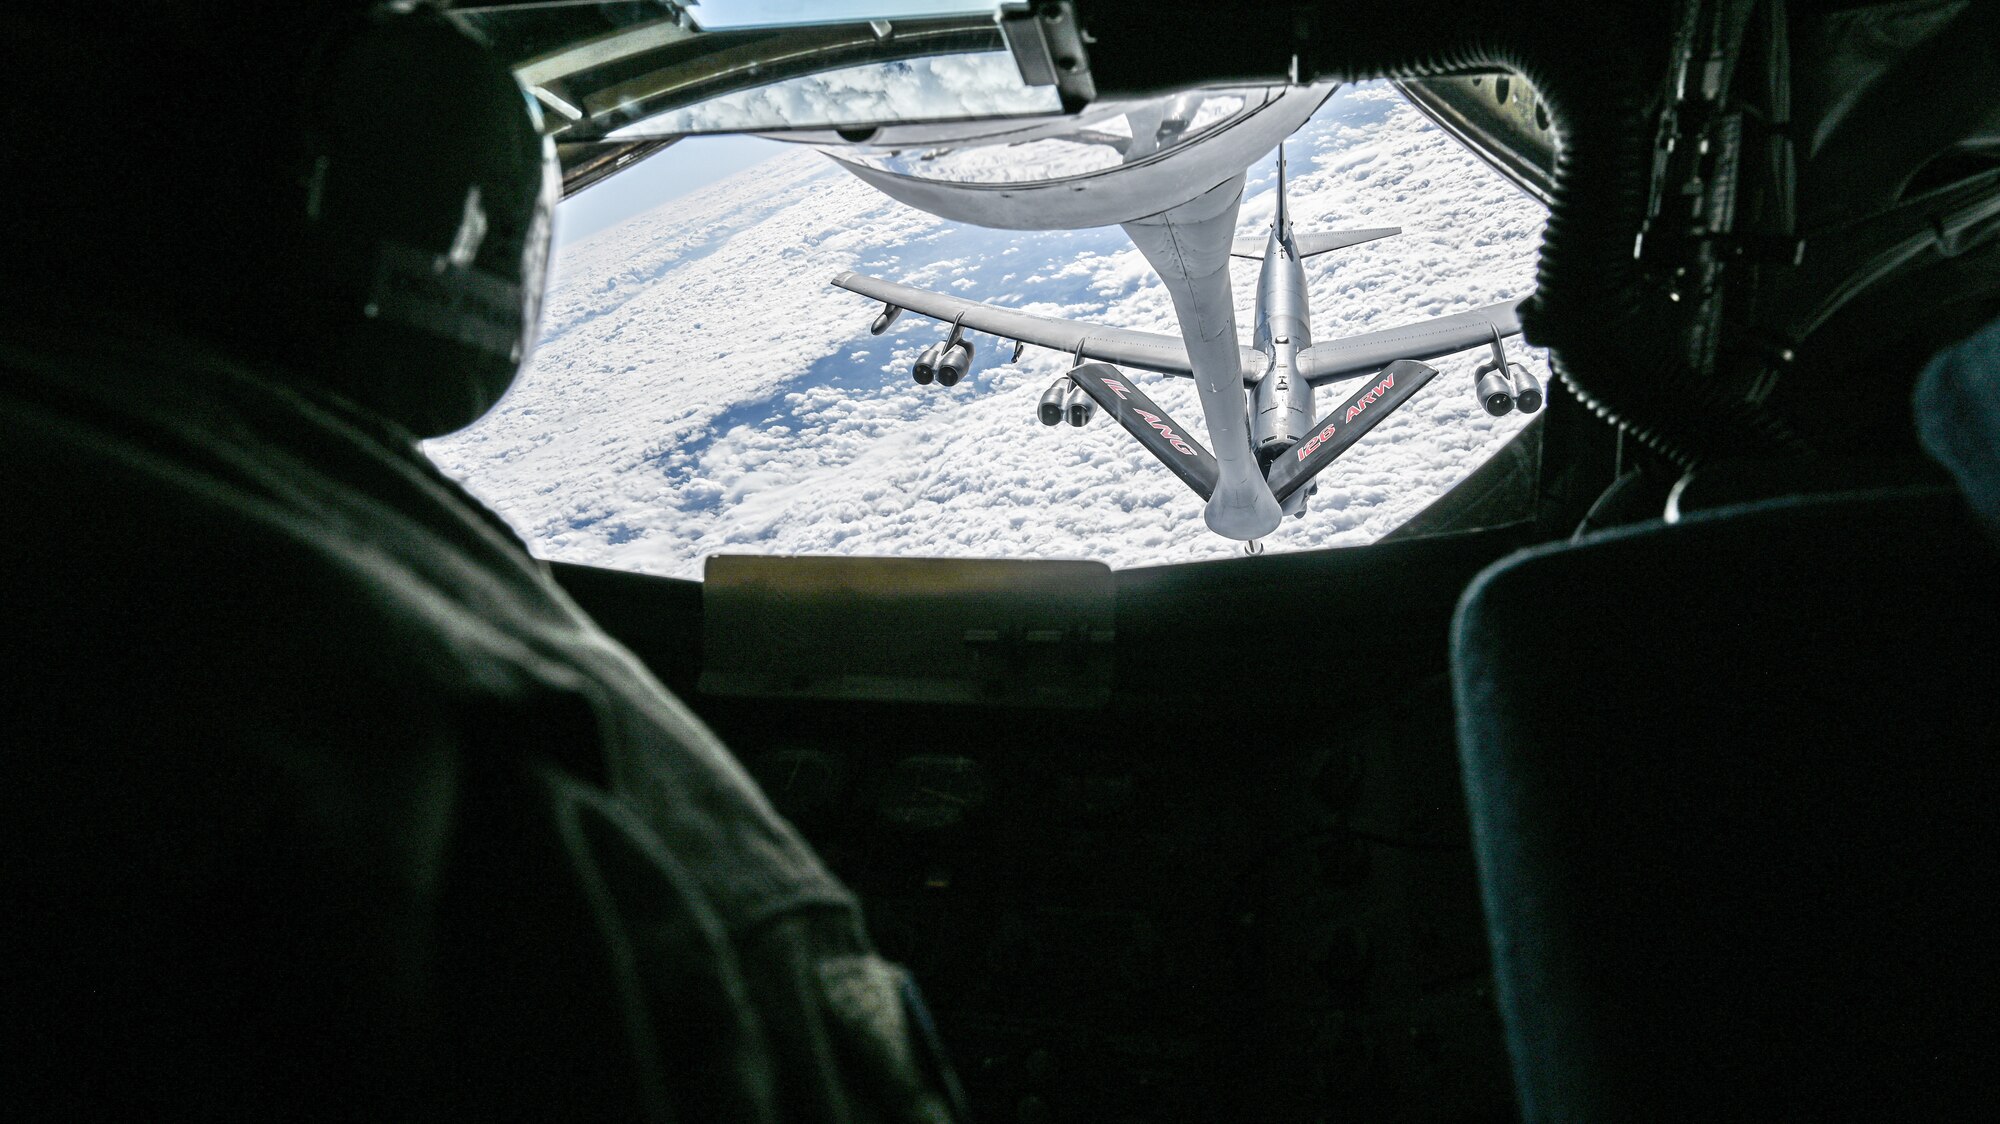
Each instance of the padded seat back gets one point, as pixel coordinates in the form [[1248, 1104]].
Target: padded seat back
[[1733, 789]]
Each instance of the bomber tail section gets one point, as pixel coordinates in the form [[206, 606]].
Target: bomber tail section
[[1310, 243]]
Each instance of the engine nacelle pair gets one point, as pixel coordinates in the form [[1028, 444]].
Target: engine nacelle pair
[[1066, 401], [1502, 385], [945, 362], [1513, 387]]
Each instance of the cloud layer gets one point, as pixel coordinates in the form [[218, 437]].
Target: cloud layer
[[944, 88], [701, 388]]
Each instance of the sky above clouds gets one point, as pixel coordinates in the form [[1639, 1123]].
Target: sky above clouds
[[700, 387]]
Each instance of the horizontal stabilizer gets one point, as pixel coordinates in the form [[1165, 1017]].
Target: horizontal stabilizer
[[1162, 436], [1320, 241], [1337, 432], [1312, 242]]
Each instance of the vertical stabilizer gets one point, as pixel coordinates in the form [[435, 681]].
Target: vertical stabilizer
[[1283, 223]]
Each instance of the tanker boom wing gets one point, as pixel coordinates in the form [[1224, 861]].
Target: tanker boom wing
[[1337, 432], [1165, 438]]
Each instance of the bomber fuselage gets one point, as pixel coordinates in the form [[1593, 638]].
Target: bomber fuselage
[[1282, 402]]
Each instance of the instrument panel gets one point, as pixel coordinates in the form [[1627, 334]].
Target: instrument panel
[[1158, 873], [1202, 930]]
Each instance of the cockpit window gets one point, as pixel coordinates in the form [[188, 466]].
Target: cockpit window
[[702, 387], [624, 70], [976, 85]]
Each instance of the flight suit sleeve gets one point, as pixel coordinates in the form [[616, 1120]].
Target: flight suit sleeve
[[792, 1018], [853, 1022]]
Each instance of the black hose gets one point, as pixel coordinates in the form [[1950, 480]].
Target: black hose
[[1616, 339]]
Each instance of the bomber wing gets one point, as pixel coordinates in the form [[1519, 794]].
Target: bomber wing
[[1427, 339], [1148, 351]]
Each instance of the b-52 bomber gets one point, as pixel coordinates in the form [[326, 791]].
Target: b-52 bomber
[[1281, 370]]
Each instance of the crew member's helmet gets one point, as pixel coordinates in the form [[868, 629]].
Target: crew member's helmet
[[345, 193], [424, 196]]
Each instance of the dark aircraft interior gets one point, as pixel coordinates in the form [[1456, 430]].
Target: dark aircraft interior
[[1726, 767], [1647, 774]]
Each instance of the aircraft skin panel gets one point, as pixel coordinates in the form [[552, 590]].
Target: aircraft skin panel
[[1168, 440], [1427, 339], [1148, 351]]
